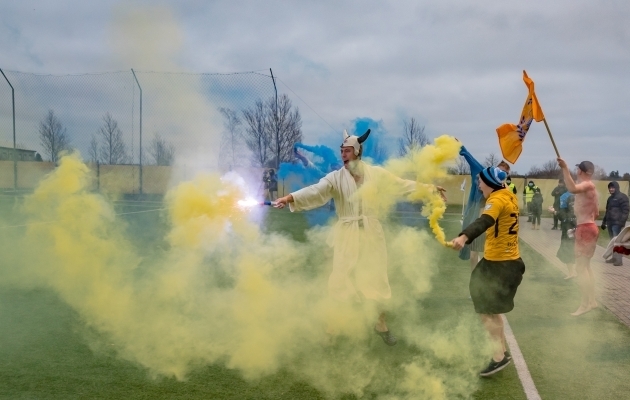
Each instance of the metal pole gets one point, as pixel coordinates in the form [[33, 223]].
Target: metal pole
[[277, 127], [139, 87], [14, 147]]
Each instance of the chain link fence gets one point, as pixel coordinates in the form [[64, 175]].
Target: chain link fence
[[129, 126]]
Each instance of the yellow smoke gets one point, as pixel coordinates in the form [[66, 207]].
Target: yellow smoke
[[222, 291], [427, 165]]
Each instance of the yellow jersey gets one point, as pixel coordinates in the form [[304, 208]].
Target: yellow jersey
[[502, 237]]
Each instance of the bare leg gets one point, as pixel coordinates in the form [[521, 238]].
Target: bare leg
[[381, 326], [571, 270], [586, 281], [494, 325]]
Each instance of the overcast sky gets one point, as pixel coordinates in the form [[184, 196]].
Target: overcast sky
[[454, 65]]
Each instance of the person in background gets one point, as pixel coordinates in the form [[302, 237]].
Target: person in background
[[566, 217], [273, 185], [617, 209], [536, 208], [508, 183], [556, 193], [528, 194]]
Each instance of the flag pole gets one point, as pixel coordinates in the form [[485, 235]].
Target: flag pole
[[551, 137]]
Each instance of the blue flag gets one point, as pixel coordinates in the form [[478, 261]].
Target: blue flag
[[471, 212]]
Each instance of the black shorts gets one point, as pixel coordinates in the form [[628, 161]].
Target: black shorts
[[493, 285]]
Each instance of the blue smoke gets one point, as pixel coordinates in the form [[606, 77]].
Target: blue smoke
[[295, 175], [327, 161], [307, 169], [374, 147]]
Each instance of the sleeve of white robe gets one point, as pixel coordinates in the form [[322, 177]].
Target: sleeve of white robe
[[404, 186], [312, 196]]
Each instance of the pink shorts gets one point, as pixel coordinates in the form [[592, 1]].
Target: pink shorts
[[586, 239]]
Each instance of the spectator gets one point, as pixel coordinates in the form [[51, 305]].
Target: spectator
[[536, 208], [511, 187], [617, 208], [566, 216], [272, 185], [528, 194], [556, 193]]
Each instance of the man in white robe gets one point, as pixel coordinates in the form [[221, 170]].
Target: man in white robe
[[360, 252]]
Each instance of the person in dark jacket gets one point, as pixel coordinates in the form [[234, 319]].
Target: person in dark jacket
[[528, 194], [556, 193], [617, 208], [536, 206]]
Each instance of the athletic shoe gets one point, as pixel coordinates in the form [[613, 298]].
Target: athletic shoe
[[387, 337], [495, 367], [610, 261], [507, 354], [554, 228]]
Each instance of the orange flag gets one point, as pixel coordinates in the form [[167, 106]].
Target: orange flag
[[511, 137]]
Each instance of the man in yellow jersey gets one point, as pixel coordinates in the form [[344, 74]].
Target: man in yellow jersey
[[498, 274]]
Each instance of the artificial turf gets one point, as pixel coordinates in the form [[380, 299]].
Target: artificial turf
[[44, 354]]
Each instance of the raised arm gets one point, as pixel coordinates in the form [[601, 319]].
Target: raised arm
[[308, 198], [572, 187]]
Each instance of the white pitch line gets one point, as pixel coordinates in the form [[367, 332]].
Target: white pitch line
[[519, 362]]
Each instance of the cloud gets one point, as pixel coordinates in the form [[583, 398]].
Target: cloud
[[456, 65]]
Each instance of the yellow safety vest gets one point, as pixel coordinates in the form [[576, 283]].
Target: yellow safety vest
[[529, 193], [512, 188]]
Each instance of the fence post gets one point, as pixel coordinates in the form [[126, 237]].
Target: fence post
[[15, 178], [139, 87]]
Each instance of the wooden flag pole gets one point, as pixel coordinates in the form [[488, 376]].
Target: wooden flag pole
[[551, 137]]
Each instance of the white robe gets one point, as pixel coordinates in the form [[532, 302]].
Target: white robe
[[360, 252], [622, 239]]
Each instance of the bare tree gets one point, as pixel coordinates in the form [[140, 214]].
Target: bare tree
[[492, 160], [600, 173], [551, 169], [232, 141], [53, 136], [534, 171], [376, 151], [461, 167], [162, 151], [284, 125], [257, 137], [93, 150], [413, 137], [113, 150]]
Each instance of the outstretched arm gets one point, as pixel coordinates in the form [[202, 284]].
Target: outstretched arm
[[472, 231], [308, 198]]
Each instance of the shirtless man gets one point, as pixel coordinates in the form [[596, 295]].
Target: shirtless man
[[586, 209]]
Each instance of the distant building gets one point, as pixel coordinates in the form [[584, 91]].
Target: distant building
[[6, 154]]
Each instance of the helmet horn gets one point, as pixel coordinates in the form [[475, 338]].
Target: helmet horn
[[363, 137]]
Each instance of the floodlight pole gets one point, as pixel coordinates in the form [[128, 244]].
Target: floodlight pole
[[14, 147], [277, 127], [139, 87]]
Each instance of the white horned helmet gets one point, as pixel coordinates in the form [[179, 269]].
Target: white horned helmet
[[354, 141]]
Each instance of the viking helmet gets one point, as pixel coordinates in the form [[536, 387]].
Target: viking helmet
[[354, 141]]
